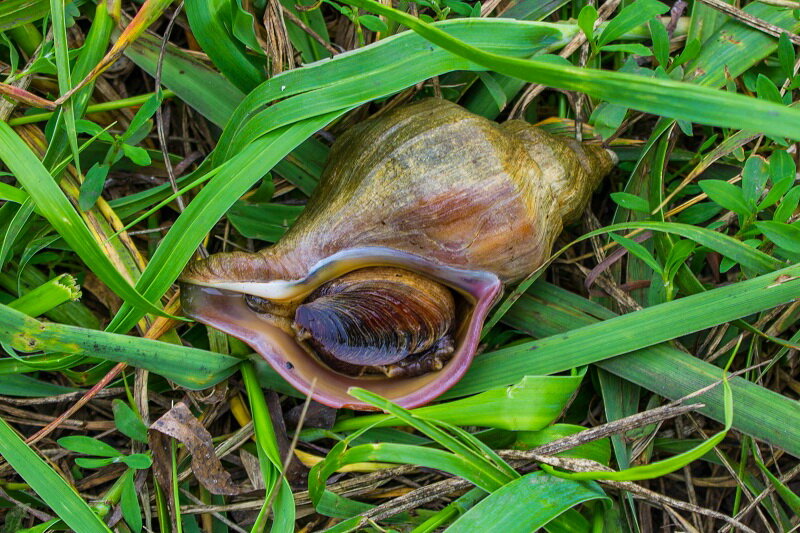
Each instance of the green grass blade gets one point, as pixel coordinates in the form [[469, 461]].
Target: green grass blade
[[668, 98], [667, 371], [626, 333], [14, 13], [735, 249], [530, 405], [193, 81], [526, 504], [211, 23], [665, 466], [49, 485], [189, 367]]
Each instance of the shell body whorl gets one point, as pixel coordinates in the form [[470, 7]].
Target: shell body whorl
[[430, 188]]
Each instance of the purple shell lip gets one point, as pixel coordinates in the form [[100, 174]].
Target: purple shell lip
[[226, 311]]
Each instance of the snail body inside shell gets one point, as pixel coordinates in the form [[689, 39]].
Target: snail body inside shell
[[379, 320]]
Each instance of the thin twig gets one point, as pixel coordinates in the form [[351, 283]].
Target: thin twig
[[162, 134]]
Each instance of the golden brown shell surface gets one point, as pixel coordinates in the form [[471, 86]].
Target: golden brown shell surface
[[434, 180]]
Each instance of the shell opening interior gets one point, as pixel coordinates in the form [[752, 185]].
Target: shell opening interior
[[229, 312], [377, 323]]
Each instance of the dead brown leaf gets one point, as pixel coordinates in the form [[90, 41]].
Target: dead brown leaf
[[180, 424]]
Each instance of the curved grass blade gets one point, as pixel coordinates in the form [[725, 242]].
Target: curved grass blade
[[49, 485], [197, 84], [748, 257], [337, 82], [665, 466], [668, 98], [211, 23], [530, 405]]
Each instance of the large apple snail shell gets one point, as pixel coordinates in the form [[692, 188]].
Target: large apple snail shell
[[446, 202]]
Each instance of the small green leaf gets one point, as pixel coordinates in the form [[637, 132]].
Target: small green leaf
[[767, 90], [726, 194], [699, 213], [781, 175], [137, 461], [129, 503], [88, 446], [787, 207], [631, 16], [638, 250], [146, 111], [660, 38], [754, 179], [586, 20], [87, 126], [92, 187], [128, 422], [781, 167], [786, 236], [690, 51], [677, 255], [95, 462], [630, 201], [373, 23], [136, 154]]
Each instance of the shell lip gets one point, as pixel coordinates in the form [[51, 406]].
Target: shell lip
[[474, 283], [226, 310]]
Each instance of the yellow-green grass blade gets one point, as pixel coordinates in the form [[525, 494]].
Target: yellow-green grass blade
[[269, 455], [54, 205], [57, 12], [527, 504], [49, 485], [530, 405], [461, 443], [766, 415], [188, 367], [668, 98]]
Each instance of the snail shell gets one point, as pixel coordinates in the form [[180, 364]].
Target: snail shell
[[385, 280]]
